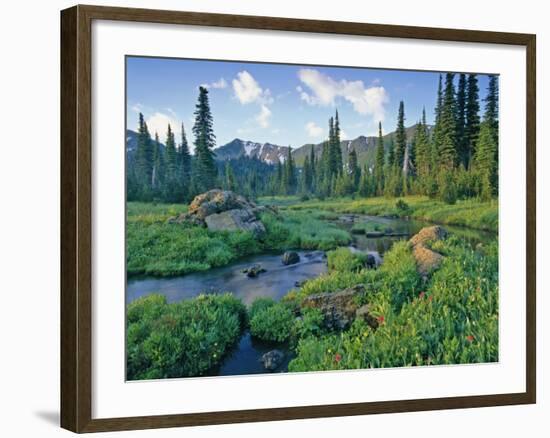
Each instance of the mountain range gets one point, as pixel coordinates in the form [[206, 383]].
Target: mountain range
[[270, 153]]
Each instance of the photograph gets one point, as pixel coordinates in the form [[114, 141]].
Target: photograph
[[294, 218]]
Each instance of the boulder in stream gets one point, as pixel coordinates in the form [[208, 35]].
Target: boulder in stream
[[290, 258], [272, 359], [253, 271]]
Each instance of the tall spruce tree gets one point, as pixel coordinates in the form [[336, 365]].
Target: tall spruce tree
[[447, 151], [379, 161], [461, 139], [485, 162], [400, 137], [436, 137], [337, 149], [471, 129], [205, 140]]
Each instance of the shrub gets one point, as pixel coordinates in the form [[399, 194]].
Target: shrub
[[309, 324], [402, 206], [273, 323], [343, 260], [182, 339], [259, 304]]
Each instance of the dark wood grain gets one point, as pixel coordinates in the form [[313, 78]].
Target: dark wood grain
[[76, 217]]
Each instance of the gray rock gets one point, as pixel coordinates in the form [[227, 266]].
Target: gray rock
[[290, 258], [272, 359], [363, 313], [338, 308], [253, 271], [235, 220], [244, 214], [370, 262]]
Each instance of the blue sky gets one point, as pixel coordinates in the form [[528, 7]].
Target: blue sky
[[276, 103]]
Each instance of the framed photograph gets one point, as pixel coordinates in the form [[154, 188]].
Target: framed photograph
[[269, 218]]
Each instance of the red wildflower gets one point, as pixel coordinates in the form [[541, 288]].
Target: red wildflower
[[470, 338], [337, 357], [422, 295], [430, 298], [380, 319]]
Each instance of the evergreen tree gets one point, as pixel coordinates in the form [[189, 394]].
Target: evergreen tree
[[354, 171], [436, 137], [157, 179], [423, 152], [289, 174], [313, 168], [447, 151], [400, 137], [144, 158], [337, 151], [279, 178], [485, 162], [184, 163], [379, 161], [491, 107], [461, 139], [471, 129], [230, 182], [171, 187], [391, 154], [205, 141], [333, 150]]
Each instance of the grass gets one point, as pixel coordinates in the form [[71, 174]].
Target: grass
[[157, 247], [468, 213]]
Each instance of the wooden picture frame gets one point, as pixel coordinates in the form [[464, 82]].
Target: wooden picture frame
[[76, 217]]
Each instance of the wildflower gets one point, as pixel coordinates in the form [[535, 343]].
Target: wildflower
[[422, 295], [214, 355], [380, 319], [337, 357], [329, 351], [430, 298], [470, 338]]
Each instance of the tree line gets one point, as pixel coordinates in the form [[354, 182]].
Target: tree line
[[455, 158], [171, 173]]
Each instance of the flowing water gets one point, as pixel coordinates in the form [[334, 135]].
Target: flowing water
[[278, 279]]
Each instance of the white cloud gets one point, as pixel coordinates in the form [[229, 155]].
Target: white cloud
[[323, 90], [313, 130], [220, 83], [343, 135], [158, 122], [248, 90], [263, 117]]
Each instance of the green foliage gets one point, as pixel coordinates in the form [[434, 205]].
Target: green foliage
[[272, 323], [309, 324], [301, 230], [258, 305], [343, 260], [453, 320], [182, 339], [402, 206]]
